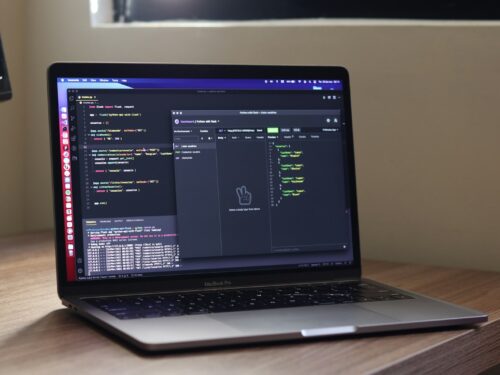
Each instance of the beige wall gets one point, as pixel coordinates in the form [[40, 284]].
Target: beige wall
[[12, 154], [426, 115]]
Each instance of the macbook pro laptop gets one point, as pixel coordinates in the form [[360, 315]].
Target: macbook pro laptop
[[5, 90], [200, 205]]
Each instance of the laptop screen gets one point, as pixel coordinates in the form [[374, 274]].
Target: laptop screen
[[177, 176]]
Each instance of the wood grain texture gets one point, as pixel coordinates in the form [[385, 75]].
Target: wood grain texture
[[38, 336]]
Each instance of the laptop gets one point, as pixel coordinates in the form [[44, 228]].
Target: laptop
[[203, 205], [5, 90]]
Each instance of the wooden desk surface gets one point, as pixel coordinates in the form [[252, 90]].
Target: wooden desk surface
[[38, 335]]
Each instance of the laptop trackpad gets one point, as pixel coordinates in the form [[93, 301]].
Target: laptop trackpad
[[299, 318]]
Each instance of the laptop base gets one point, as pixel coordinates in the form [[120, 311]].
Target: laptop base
[[294, 323]]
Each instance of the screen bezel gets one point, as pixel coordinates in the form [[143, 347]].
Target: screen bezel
[[198, 281]]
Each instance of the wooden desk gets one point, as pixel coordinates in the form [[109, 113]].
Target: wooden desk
[[38, 335]]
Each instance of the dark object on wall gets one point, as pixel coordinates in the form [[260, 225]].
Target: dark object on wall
[[5, 91], [159, 10]]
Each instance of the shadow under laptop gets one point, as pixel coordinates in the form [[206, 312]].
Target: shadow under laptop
[[62, 334]]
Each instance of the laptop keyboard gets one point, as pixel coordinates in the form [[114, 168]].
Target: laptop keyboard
[[217, 301]]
